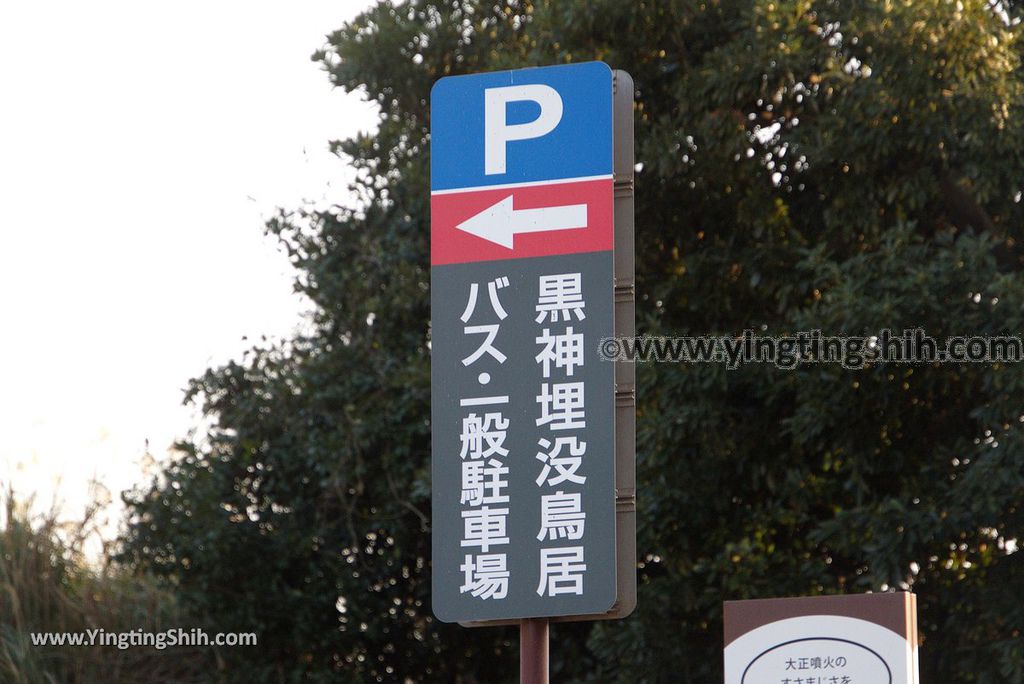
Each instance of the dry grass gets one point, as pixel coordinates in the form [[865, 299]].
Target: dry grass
[[46, 585]]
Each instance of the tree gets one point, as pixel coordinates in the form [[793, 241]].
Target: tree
[[844, 166]]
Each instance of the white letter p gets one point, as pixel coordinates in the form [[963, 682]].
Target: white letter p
[[497, 132]]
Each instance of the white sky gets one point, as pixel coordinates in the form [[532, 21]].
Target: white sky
[[142, 144]]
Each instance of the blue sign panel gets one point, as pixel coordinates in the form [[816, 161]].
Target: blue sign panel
[[521, 126]]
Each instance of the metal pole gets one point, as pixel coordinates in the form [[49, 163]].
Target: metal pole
[[533, 651]]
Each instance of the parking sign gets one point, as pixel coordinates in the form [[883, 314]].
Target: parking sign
[[522, 291]]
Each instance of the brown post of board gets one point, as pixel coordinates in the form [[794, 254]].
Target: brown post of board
[[533, 651]]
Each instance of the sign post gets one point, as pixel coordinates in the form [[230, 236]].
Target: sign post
[[532, 450], [533, 651]]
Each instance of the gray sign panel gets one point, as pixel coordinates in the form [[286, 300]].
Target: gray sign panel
[[522, 458]]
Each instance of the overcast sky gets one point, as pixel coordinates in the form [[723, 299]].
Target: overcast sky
[[142, 144]]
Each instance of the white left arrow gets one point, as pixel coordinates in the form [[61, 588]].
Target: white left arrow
[[500, 223]]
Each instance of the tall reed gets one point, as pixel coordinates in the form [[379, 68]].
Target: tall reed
[[47, 584]]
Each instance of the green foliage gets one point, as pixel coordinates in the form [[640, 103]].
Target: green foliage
[[46, 585], [844, 166]]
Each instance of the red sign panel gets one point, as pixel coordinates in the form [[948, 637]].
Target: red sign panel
[[520, 222]]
